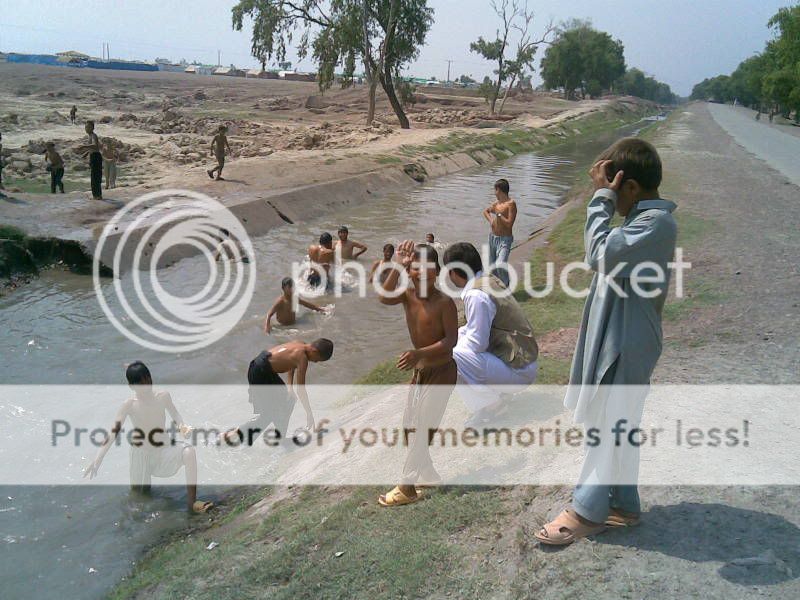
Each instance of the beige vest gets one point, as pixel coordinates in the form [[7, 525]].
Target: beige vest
[[511, 337]]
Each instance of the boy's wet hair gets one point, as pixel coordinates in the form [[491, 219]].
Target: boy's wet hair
[[388, 247], [325, 238], [502, 185], [222, 128], [287, 282], [466, 253], [431, 255], [325, 348], [429, 235], [137, 373], [343, 229], [637, 159]]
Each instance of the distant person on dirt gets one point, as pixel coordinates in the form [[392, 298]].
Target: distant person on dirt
[[346, 248], [501, 214], [321, 256], [94, 152], [438, 246], [55, 164], [155, 454], [110, 157], [620, 337], [283, 308], [73, 112], [218, 146], [388, 254], [272, 402]]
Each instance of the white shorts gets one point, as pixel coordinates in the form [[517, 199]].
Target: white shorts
[[147, 462]]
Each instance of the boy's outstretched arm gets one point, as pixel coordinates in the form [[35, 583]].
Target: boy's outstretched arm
[[372, 270], [270, 314], [437, 350], [360, 249], [175, 415], [310, 305], [122, 414]]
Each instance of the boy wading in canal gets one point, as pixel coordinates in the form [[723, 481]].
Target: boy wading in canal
[[283, 308], [272, 402], [156, 455], [218, 146], [433, 326], [619, 341], [501, 214]]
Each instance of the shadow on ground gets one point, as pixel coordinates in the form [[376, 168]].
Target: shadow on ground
[[756, 548]]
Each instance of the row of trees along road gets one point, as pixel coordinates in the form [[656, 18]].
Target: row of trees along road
[[584, 60], [386, 35], [769, 80]]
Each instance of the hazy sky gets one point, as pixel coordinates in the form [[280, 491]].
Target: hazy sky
[[677, 41]]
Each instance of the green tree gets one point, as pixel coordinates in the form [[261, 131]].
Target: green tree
[[384, 34], [512, 63], [582, 58]]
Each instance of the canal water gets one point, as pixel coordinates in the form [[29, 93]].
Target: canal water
[[75, 542]]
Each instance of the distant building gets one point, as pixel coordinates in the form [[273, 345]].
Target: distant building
[[199, 69], [165, 64], [294, 76], [229, 72], [261, 74]]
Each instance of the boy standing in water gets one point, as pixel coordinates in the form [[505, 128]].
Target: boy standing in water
[[348, 249], [283, 308], [218, 146], [433, 326], [73, 112], [272, 405], [321, 256], [155, 455], [388, 254], [501, 214], [55, 164]]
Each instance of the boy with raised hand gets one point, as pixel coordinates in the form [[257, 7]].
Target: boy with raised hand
[[433, 326], [156, 455], [273, 406], [619, 341], [283, 308]]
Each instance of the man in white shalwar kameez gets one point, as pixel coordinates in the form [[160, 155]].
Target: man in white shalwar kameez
[[496, 351], [620, 337]]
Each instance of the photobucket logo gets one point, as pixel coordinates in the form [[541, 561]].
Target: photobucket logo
[[176, 314], [646, 279]]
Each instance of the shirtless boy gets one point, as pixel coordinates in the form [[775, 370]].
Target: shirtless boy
[[275, 405], [218, 146], [55, 164], [501, 215], [388, 254], [155, 454], [433, 326], [321, 256], [73, 112], [283, 308], [347, 249]]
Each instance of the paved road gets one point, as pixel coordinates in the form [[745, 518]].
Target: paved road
[[780, 150]]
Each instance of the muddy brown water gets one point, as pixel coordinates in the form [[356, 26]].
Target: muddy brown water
[[78, 542]]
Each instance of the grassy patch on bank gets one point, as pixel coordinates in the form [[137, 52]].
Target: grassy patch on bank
[[330, 543]]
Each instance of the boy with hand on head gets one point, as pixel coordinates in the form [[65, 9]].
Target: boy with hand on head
[[346, 248], [388, 254], [433, 326], [283, 308], [620, 338], [156, 455], [275, 406]]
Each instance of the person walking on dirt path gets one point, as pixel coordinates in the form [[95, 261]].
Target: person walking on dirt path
[[55, 165], [94, 152], [73, 112], [218, 146], [501, 214], [620, 337]]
